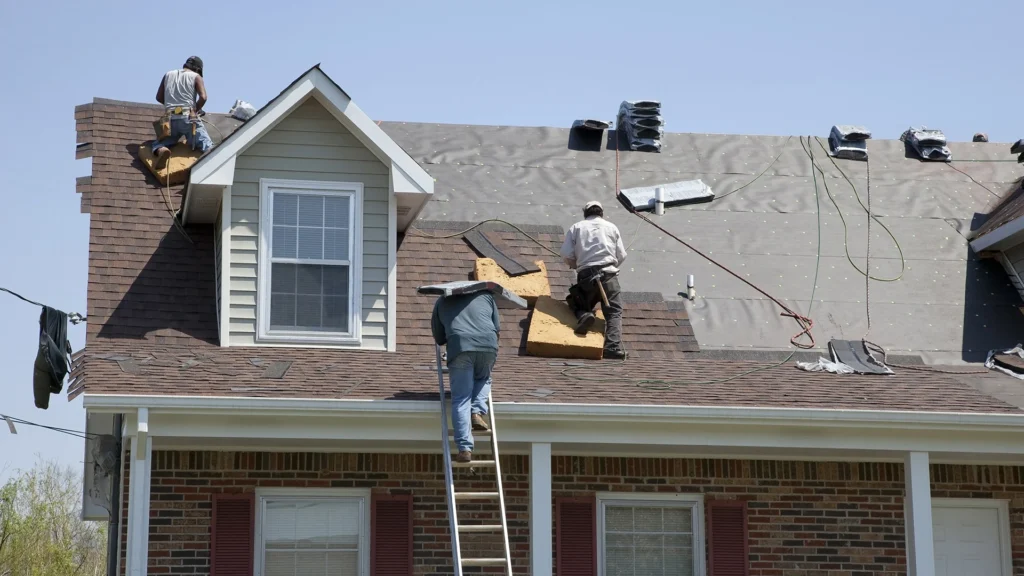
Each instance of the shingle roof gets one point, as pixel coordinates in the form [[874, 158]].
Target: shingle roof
[[1009, 209], [152, 293]]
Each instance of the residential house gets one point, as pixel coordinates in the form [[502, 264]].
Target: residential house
[[281, 417]]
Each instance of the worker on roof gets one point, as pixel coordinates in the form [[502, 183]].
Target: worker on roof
[[593, 246], [469, 325], [183, 94]]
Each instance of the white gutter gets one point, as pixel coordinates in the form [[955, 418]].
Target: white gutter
[[1004, 232], [818, 417]]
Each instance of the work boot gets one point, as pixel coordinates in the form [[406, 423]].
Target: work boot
[[464, 457], [479, 424], [162, 154], [584, 323], [615, 354]]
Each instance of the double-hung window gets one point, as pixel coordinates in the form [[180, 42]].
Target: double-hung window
[[650, 537], [310, 253], [300, 535]]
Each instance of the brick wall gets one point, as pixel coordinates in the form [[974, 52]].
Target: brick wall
[[805, 518]]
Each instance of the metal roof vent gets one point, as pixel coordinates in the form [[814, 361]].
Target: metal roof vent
[[641, 123], [1018, 148], [849, 142], [660, 196], [591, 124], [980, 137], [928, 144]]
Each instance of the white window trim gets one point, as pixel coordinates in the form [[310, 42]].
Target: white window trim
[[1002, 508], [351, 189], [262, 494], [695, 501]]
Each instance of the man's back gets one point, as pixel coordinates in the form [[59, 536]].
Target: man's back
[[594, 242], [467, 323], [180, 88]]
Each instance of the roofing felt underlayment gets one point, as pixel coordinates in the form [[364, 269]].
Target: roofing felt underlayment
[[151, 290]]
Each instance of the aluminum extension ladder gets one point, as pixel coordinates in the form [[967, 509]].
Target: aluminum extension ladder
[[453, 497]]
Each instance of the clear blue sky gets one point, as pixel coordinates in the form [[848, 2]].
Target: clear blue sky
[[747, 67]]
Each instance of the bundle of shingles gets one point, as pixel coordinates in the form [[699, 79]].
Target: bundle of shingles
[[927, 144], [640, 124]]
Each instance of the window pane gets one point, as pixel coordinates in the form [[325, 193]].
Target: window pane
[[311, 563], [336, 280], [619, 562], [336, 244], [335, 314], [343, 563], [282, 278], [311, 210], [344, 525], [647, 519], [279, 564], [282, 310], [311, 243], [286, 209], [308, 311], [336, 211], [678, 520], [619, 519], [311, 528], [309, 280], [283, 242], [279, 525]]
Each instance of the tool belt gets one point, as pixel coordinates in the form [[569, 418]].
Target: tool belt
[[162, 126]]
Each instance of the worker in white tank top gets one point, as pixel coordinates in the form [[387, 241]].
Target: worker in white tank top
[[183, 94]]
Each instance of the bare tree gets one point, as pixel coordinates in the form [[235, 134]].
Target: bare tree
[[41, 530]]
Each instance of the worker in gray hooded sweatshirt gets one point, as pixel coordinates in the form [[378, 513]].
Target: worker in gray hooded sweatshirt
[[593, 247], [469, 325]]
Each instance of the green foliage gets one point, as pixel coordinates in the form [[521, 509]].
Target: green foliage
[[41, 530]]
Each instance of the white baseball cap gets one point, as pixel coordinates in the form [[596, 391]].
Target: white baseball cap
[[592, 204]]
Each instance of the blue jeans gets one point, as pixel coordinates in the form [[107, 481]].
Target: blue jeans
[[469, 375], [181, 126]]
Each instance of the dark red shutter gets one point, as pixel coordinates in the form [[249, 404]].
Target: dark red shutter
[[727, 538], [231, 535], [391, 535], [576, 536]]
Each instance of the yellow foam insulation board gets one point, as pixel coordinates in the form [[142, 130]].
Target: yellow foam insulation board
[[527, 286], [177, 166], [552, 333]]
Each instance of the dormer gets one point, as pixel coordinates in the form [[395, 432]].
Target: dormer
[[309, 196]]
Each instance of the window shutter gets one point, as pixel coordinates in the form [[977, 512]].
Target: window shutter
[[231, 535], [727, 538], [391, 535], [576, 536]]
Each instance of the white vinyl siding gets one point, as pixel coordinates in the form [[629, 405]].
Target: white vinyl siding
[[651, 536], [217, 274], [304, 534], [309, 144]]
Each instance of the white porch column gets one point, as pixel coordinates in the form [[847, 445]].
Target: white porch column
[[920, 546], [137, 547], [541, 528]]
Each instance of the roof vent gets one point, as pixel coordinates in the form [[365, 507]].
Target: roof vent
[[591, 124], [642, 124], [928, 144], [980, 137], [686, 192], [1018, 148], [849, 142]]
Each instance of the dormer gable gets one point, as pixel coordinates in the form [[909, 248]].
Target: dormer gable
[[309, 196]]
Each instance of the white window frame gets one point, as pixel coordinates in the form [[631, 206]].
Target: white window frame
[[306, 494], [353, 190], [693, 501], [1002, 508]]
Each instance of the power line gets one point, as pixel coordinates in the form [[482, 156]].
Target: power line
[[11, 421], [73, 317]]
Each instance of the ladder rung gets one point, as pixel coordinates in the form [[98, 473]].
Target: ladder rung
[[480, 528], [473, 464], [483, 561], [475, 495], [476, 433]]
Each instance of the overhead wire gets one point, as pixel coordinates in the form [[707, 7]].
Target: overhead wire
[[846, 229], [75, 433], [73, 317], [990, 191]]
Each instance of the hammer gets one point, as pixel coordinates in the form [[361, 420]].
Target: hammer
[[600, 288]]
